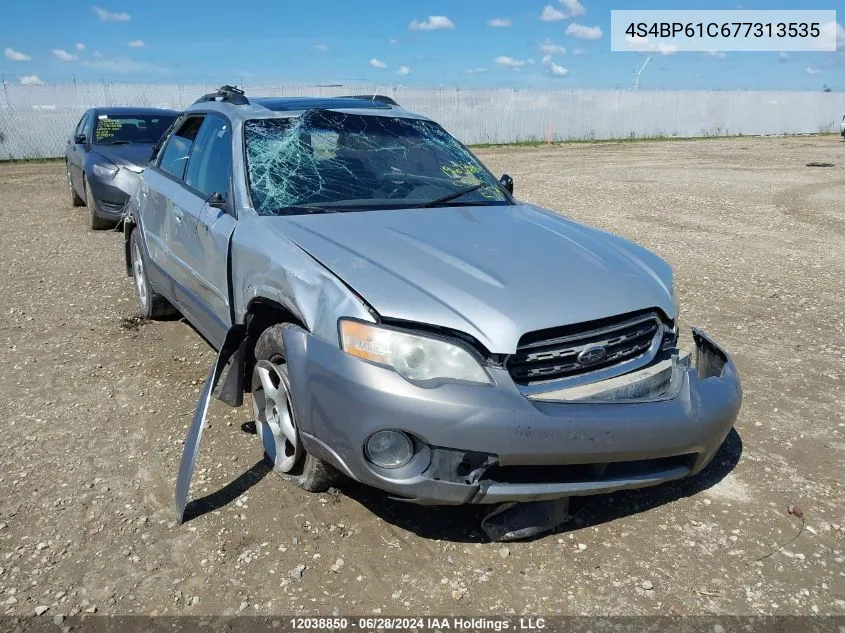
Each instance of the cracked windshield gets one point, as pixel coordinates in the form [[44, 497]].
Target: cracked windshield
[[328, 161]]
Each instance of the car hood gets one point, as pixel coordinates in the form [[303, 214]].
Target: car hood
[[493, 272], [131, 155]]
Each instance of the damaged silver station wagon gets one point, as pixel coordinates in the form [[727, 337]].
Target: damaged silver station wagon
[[401, 319]]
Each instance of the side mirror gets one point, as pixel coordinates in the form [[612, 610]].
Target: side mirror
[[217, 200], [80, 139], [507, 182]]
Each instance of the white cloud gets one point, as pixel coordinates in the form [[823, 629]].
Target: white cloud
[[16, 56], [475, 71], [433, 23], [550, 14], [393, 41], [646, 45], [584, 32], [80, 46], [574, 8], [835, 31], [550, 48], [579, 52], [499, 23], [136, 44], [812, 71], [124, 66], [510, 62], [320, 47], [377, 63], [715, 54], [108, 16], [64, 55], [553, 69], [404, 71], [783, 57], [31, 80]]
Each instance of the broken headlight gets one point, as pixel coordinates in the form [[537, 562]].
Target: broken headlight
[[106, 170], [415, 357]]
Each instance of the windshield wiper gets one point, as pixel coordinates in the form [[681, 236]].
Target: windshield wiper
[[118, 143], [293, 210], [451, 196]]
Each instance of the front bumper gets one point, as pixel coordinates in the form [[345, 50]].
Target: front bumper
[[112, 195], [490, 443]]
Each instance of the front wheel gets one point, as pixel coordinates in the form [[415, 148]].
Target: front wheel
[[96, 221], [275, 417], [75, 199]]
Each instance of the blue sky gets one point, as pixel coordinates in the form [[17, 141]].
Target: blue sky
[[416, 43]]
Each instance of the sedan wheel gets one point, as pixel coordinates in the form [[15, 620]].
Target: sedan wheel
[[75, 198], [274, 414]]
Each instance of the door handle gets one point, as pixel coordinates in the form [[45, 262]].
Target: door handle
[[177, 214]]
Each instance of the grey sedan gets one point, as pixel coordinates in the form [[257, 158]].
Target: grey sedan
[[108, 149]]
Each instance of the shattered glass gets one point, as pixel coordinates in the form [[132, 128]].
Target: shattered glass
[[331, 161]]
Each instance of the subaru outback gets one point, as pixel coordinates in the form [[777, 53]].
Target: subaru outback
[[405, 321]]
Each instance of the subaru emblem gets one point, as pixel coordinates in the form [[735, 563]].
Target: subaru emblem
[[592, 355]]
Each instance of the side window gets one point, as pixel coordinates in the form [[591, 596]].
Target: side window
[[174, 158], [82, 125], [157, 147], [210, 165]]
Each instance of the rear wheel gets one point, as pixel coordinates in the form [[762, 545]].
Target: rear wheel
[[275, 417], [95, 219], [75, 199], [151, 305]]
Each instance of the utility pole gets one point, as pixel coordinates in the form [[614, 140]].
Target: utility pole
[[639, 72]]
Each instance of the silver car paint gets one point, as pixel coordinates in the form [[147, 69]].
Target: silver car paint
[[494, 273]]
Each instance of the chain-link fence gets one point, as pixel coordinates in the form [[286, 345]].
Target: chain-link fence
[[36, 120]]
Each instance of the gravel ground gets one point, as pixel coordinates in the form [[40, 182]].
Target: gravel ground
[[97, 404]]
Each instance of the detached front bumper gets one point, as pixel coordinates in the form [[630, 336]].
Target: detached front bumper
[[490, 443]]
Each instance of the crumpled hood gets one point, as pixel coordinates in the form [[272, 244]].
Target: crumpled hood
[[493, 272], [131, 155]]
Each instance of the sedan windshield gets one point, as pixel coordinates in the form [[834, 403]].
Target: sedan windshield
[[133, 128], [329, 161]]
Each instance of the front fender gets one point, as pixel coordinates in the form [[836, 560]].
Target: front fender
[[268, 265]]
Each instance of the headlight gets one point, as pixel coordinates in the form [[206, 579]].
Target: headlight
[[413, 356], [106, 170]]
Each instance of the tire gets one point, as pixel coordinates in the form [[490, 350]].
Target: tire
[[75, 199], [151, 305], [288, 458], [96, 222]]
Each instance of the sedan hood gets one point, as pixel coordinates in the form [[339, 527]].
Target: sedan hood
[[493, 272], [135, 155]]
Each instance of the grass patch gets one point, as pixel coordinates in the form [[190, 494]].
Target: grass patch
[[31, 161], [634, 139]]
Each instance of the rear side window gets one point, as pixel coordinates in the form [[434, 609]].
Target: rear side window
[[210, 165], [174, 158]]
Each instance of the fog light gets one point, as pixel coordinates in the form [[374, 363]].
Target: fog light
[[389, 449]]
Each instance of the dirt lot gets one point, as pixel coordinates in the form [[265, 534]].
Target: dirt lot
[[96, 407]]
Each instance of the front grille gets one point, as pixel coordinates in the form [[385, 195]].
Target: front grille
[[553, 354]]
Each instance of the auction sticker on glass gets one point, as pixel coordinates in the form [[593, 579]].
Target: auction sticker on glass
[[665, 32]]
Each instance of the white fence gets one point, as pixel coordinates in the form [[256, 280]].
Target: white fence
[[36, 120]]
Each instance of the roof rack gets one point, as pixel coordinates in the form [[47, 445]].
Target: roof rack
[[379, 98], [227, 94]]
